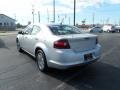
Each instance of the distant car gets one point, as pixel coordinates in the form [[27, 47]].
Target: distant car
[[96, 30], [109, 28], [58, 46], [117, 28]]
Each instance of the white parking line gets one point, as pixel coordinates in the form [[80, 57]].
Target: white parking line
[[60, 86], [108, 52]]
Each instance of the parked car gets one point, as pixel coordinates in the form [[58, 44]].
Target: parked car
[[96, 30], [109, 28], [58, 46], [117, 28]]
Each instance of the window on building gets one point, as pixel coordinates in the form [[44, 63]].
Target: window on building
[[0, 24], [12, 23], [5, 24]]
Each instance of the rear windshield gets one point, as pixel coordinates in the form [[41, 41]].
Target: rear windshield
[[64, 29]]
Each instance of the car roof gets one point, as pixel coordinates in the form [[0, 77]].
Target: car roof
[[40, 24]]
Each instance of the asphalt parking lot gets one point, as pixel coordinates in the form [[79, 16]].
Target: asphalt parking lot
[[18, 71]]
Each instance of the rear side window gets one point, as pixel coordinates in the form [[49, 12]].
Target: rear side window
[[64, 29], [36, 29]]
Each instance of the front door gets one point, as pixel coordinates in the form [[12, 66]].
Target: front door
[[27, 34]]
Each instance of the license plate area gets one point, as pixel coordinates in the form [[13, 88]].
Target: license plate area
[[88, 56]]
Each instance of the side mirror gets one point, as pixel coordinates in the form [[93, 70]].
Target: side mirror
[[25, 33], [20, 32]]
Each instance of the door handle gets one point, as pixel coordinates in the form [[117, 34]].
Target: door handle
[[36, 38]]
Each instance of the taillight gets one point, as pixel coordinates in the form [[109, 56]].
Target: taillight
[[97, 40], [62, 44]]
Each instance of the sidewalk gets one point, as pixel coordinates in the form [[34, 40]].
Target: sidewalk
[[5, 33]]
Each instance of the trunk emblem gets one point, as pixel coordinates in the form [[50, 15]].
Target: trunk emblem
[[86, 38]]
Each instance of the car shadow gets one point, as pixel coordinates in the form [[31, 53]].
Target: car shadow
[[23, 52], [2, 44], [97, 76]]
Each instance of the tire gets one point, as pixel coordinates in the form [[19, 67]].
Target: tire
[[108, 31], [41, 60], [18, 46], [119, 30]]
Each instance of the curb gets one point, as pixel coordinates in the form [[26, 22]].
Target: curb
[[7, 34]]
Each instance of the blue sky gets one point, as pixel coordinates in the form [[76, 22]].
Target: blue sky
[[105, 11]]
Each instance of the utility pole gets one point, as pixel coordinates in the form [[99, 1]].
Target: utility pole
[[39, 16], [119, 22], [54, 11], [58, 18], [93, 18], [74, 11], [115, 22], [33, 12], [47, 15], [69, 20], [15, 16], [107, 21]]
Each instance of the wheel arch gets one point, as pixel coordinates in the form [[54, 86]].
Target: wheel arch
[[41, 47], [45, 59]]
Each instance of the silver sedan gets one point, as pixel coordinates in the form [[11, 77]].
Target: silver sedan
[[58, 46]]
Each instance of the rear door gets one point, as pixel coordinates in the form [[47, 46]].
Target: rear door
[[33, 38]]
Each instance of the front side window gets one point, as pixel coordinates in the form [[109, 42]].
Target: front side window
[[64, 29], [28, 30]]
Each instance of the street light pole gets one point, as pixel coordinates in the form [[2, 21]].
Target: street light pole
[[74, 10], [54, 11], [93, 18], [47, 15], [69, 20], [33, 12], [39, 16]]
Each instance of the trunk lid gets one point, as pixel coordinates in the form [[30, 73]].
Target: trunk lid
[[81, 42]]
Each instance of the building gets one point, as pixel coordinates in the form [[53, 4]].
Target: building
[[7, 23]]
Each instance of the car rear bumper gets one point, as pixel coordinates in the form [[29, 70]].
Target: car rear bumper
[[64, 60], [65, 66]]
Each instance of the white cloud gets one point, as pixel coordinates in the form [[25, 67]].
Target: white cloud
[[10, 7], [115, 1], [65, 6], [23, 8], [82, 3]]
